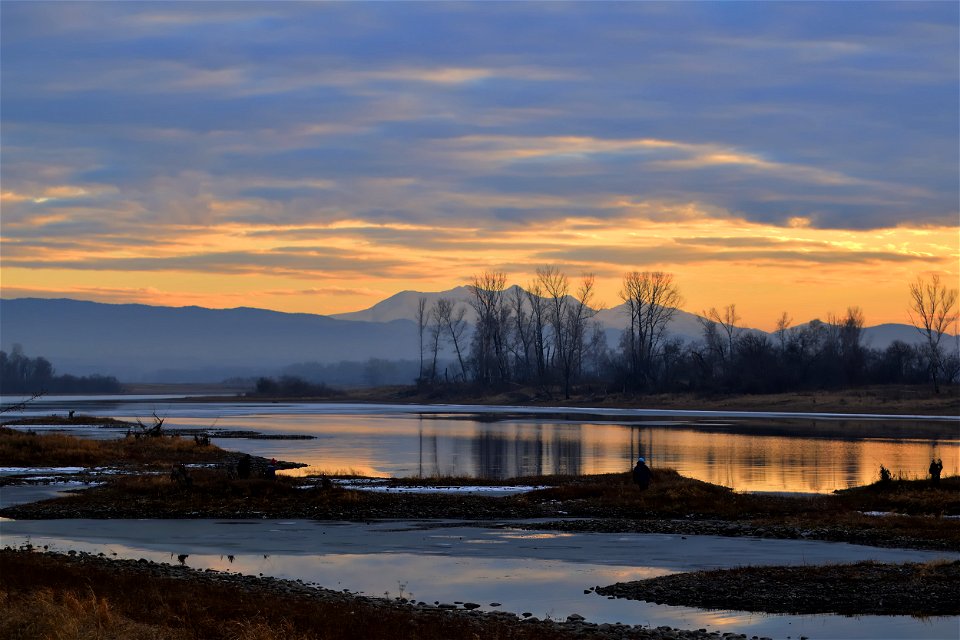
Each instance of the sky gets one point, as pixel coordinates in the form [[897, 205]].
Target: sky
[[319, 157]]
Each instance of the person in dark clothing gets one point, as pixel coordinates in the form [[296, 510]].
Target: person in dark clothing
[[936, 466], [641, 474], [243, 467]]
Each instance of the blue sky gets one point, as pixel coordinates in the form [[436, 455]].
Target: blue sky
[[355, 147]]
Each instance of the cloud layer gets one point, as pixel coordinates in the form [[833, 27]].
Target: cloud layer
[[353, 148]]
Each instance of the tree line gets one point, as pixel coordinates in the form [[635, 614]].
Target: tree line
[[22, 374], [546, 335]]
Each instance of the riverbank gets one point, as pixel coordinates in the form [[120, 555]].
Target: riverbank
[[864, 588], [883, 399], [898, 400], [85, 596], [44, 593]]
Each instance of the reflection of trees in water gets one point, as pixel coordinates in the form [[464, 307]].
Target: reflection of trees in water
[[500, 455], [567, 454], [526, 453], [641, 445], [852, 461], [429, 460]]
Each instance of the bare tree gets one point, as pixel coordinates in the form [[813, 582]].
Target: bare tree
[[450, 318], [852, 356], [538, 322], [436, 331], [652, 300], [783, 323], [555, 286], [493, 315], [522, 343], [727, 321], [578, 316], [932, 311], [711, 357], [422, 320], [596, 351], [567, 317]]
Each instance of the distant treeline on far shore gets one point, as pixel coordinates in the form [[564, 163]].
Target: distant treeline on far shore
[[546, 336], [22, 374], [293, 387]]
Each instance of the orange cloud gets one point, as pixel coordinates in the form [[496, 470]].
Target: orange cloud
[[352, 263]]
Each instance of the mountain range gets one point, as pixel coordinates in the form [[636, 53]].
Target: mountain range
[[136, 342]]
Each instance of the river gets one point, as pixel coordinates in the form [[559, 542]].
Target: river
[[767, 452]]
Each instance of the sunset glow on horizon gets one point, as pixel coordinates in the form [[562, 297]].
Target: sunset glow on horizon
[[785, 157]]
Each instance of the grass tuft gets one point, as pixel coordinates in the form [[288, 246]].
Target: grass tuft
[[26, 448]]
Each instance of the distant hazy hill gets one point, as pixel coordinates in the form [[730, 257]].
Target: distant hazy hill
[[684, 325], [136, 342], [403, 306], [880, 336]]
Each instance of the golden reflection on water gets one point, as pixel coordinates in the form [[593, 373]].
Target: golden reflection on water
[[780, 463], [408, 445], [334, 469]]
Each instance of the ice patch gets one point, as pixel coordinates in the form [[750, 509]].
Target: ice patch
[[19, 471], [884, 514], [367, 484]]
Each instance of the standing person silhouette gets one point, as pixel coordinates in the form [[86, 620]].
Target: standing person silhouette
[[936, 466], [641, 474]]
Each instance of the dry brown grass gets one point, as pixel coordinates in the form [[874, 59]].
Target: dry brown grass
[[44, 614], [906, 497], [24, 448], [50, 596], [669, 495]]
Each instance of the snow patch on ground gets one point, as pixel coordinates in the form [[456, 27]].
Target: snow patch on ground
[[20, 471], [886, 514], [369, 484]]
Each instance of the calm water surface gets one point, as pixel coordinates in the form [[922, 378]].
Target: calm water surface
[[749, 452]]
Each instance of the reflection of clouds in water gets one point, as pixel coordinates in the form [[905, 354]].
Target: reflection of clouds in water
[[409, 445], [536, 536]]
